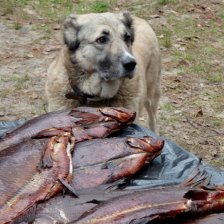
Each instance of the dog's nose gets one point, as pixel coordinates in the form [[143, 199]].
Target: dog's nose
[[129, 65]]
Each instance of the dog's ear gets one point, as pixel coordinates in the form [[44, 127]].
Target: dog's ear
[[71, 29], [128, 22]]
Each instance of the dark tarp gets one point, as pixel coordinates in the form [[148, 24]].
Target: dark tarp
[[173, 166]]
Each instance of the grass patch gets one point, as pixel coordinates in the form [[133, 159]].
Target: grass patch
[[221, 15], [166, 39], [7, 7], [198, 67], [166, 2], [17, 26], [20, 81], [20, 78], [97, 6], [215, 78], [21, 2], [209, 51], [217, 102], [46, 29], [57, 10], [168, 107], [5, 92], [53, 10], [217, 123], [100, 6], [217, 162]]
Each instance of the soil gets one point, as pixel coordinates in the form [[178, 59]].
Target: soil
[[186, 115]]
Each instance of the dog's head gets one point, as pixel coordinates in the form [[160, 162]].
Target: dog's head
[[101, 43]]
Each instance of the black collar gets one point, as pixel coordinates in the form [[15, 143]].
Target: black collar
[[79, 95]]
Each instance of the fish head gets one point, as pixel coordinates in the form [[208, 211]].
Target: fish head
[[99, 122], [119, 114], [146, 144]]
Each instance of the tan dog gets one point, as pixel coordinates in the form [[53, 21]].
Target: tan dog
[[107, 59]]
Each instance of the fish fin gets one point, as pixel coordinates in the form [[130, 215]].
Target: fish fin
[[191, 179], [84, 117], [46, 160], [197, 178], [28, 217], [53, 132], [111, 186], [68, 186]]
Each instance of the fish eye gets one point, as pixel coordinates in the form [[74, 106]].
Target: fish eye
[[102, 40]]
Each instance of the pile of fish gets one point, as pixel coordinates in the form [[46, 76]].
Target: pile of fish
[[61, 168]]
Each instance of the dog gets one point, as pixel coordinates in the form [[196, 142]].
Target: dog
[[107, 59]]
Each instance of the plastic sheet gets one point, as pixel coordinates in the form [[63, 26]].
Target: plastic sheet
[[172, 167]]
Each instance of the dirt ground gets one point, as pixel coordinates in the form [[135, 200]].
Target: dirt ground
[[191, 34]]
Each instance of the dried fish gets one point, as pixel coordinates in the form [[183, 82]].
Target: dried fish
[[96, 162], [155, 205], [21, 183], [19, 203], [102, 161], [94, 122]]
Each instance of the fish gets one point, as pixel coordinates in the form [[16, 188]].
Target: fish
[[123, 162], [97, 163], [162, 205], [36, 185], [157, 205], [61, 209], [101, 161], [117, 206], [28, 176], [94, 122]]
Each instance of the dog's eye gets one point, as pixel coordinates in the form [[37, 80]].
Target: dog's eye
[[102, 40], [127, 37]]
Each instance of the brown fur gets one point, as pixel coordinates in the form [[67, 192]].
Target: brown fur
[[97, 70]]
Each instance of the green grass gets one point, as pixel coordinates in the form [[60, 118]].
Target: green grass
[[20, 81], [217, 162], [209, 51], [53, 10], [20, 78], [168, 107], [198, 67], [21, 2], [7, 7], [46, 29], [215, 78], [99, 6], [165, 2], [166, 39], [217, 123], [221, 15], [17, 26], [217, 102]]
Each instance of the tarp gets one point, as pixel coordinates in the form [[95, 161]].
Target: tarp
[[172, 167]]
